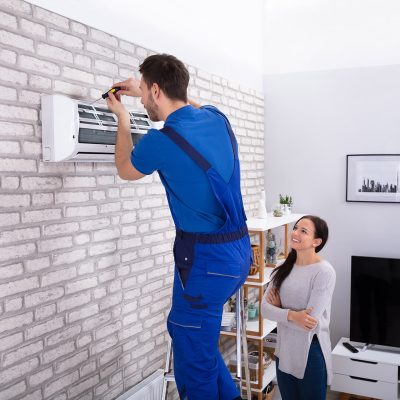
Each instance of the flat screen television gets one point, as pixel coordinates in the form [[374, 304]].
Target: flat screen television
[[375, 301]]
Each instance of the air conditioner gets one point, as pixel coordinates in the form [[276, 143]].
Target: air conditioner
[[73, 130]]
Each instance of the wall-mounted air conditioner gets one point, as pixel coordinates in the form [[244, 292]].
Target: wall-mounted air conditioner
[[73, 130]]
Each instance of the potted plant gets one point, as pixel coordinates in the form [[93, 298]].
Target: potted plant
[[286, 204]]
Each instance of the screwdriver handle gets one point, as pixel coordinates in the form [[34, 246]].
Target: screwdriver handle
[[113, 90]]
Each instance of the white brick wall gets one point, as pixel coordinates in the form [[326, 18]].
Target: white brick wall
[[85, 258]]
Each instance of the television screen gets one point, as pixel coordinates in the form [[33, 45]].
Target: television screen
[[375, 301]]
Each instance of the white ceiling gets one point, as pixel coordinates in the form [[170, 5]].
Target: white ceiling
[[244, 40], [219, 36]]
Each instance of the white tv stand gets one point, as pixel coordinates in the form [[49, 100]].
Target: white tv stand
[[372, 373]]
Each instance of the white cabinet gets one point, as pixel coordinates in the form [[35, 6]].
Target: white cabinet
[[373, 373]]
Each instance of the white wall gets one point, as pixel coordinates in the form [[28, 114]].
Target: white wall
[[313, 120], [222, 37], [331, 88], [86, 266], [309, 35]]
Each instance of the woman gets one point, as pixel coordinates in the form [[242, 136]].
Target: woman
[[299, 299]]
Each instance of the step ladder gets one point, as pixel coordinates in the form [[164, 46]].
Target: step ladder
[[168, 371], [241, 341]]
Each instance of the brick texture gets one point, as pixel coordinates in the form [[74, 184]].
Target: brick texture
[[85, 258]]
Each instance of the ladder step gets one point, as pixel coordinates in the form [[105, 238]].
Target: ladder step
[[169, 377]]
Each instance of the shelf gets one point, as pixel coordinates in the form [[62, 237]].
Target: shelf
[[263, 224], [253, 325], [268, 326], [267, 273], [269, 374]]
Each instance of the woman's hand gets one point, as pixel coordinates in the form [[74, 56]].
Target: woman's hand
[[274, 298], [303, 319], [130, 87]]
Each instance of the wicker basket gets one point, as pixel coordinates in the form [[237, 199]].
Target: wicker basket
[[256, 250], [253, 367], [267, 360], [270, 351], [265, 396], [270, 395]]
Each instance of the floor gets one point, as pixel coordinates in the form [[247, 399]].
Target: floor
[[329, 396]]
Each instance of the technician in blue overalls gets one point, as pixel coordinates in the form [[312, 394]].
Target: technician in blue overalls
[[196, 156]]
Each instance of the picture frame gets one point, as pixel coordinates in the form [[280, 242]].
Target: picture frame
[[373, 178]]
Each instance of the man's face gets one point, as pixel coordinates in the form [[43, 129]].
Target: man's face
[[148, 102]]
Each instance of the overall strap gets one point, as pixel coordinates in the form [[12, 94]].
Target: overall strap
[[186, 147]]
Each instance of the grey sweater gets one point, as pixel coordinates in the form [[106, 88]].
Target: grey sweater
[[306, 286]]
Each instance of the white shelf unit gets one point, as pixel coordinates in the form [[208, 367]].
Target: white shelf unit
[[258, 329], [259, 228]]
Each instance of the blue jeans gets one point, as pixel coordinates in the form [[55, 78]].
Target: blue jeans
[[312, 386]]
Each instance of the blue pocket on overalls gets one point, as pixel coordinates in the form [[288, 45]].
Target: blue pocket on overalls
[[223, 269], [184, 257], [223, 278], [185, 320]]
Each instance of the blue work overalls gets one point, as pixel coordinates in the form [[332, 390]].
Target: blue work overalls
[[209, 268]]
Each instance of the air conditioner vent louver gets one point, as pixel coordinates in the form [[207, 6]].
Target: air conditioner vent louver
[[77, 131]]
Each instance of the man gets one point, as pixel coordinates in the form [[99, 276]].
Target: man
[[196, 156]]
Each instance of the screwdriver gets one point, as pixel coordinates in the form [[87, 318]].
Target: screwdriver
[[105, 95]]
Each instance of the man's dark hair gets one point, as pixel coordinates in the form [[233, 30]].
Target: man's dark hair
[[168, 72]]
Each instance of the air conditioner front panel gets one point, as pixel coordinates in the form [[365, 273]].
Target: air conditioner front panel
[[77, 131], [59, 127]]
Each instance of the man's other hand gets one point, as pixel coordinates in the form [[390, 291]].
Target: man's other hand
[[130, 87]]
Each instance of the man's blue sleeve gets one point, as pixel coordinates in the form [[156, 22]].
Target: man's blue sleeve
[[148, 154], [211, 108]]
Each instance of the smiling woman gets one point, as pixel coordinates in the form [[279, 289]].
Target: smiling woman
[[303, 238], [299, 299]]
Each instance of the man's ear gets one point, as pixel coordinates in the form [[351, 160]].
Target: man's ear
[[155, 90]]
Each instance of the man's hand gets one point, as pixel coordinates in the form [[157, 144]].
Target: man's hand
[[115, 106], [194, 103], [130, 87], [274, 298], [303, 319]]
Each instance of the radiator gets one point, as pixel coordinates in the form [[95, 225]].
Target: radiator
[[149, 389]]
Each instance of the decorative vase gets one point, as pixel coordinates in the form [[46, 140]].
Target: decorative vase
[[251, 311], [286, 209], [262, 210]]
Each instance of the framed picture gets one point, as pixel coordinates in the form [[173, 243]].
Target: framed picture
[[373, 178]]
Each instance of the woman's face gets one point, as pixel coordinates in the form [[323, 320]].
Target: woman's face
[[303, 235]]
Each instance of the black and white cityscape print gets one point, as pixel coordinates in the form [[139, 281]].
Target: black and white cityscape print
[[373, 178], [381, 180], [369, 185]]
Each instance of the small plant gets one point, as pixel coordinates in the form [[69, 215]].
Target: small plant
[[285, 200]]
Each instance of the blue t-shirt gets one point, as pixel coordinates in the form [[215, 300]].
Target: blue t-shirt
[[192, 200]]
